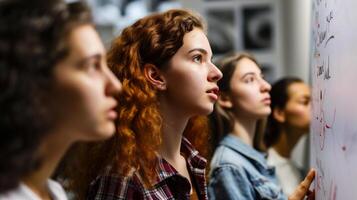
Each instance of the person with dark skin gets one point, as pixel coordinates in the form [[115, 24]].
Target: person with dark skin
[[56, 89]]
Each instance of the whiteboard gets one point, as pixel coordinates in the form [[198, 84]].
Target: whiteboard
[[334, 98]]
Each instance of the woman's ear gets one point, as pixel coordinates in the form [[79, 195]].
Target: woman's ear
[[154, 76], [279, 115], [224, 101]]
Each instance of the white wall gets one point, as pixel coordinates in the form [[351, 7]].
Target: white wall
[[297, 17]]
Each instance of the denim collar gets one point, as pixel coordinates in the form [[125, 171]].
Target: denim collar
[[236, 144]]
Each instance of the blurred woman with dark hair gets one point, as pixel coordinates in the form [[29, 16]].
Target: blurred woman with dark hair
[[169, 85], [56, 89], [289, 120]]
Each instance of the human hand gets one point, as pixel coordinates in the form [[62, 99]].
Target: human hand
[[303, 189]]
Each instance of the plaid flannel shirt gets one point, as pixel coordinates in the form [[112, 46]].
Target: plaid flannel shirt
[[169, 185]]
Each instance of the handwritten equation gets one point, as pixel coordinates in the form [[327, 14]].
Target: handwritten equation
[[322, 37], [334, 100]]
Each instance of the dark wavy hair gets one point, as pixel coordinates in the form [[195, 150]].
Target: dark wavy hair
[[33, 39], [221, 119], [279, 95], [153, 39]]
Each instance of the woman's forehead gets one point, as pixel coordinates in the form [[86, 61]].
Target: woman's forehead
[[245, 65]]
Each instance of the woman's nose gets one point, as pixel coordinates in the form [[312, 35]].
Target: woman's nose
[[265, 86], [114, 86], [215, 74]]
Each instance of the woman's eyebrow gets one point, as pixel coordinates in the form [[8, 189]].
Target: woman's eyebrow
[[247, 74], [198, 49], [82, 61]]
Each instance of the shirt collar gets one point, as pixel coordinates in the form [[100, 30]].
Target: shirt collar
[[195, 162], [236, 144], [276, 158]]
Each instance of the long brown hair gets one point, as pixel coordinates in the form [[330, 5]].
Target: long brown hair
[[151, 40], [222, 120]]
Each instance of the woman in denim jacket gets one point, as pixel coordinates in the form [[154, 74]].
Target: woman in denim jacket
[[239, 169]]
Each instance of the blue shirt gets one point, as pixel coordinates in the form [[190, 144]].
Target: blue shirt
[[240, 172]]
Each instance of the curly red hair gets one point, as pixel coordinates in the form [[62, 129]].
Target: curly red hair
[[154, 40]]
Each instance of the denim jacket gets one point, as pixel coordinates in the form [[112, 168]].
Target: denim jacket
[[240, 172]]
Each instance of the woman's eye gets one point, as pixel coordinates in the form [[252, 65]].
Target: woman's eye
[[249, 79], [92, 66], [305, 102], [197, 59]]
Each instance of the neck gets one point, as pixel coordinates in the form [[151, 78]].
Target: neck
[[287, 141], [171, 141], [51, 151], [245, 128], [174, 124]]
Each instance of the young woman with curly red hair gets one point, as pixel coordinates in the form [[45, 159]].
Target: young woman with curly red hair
[[169, 85]]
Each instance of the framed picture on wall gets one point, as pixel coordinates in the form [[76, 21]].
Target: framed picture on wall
[[253, 26], [221, 30], [258, 27]]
